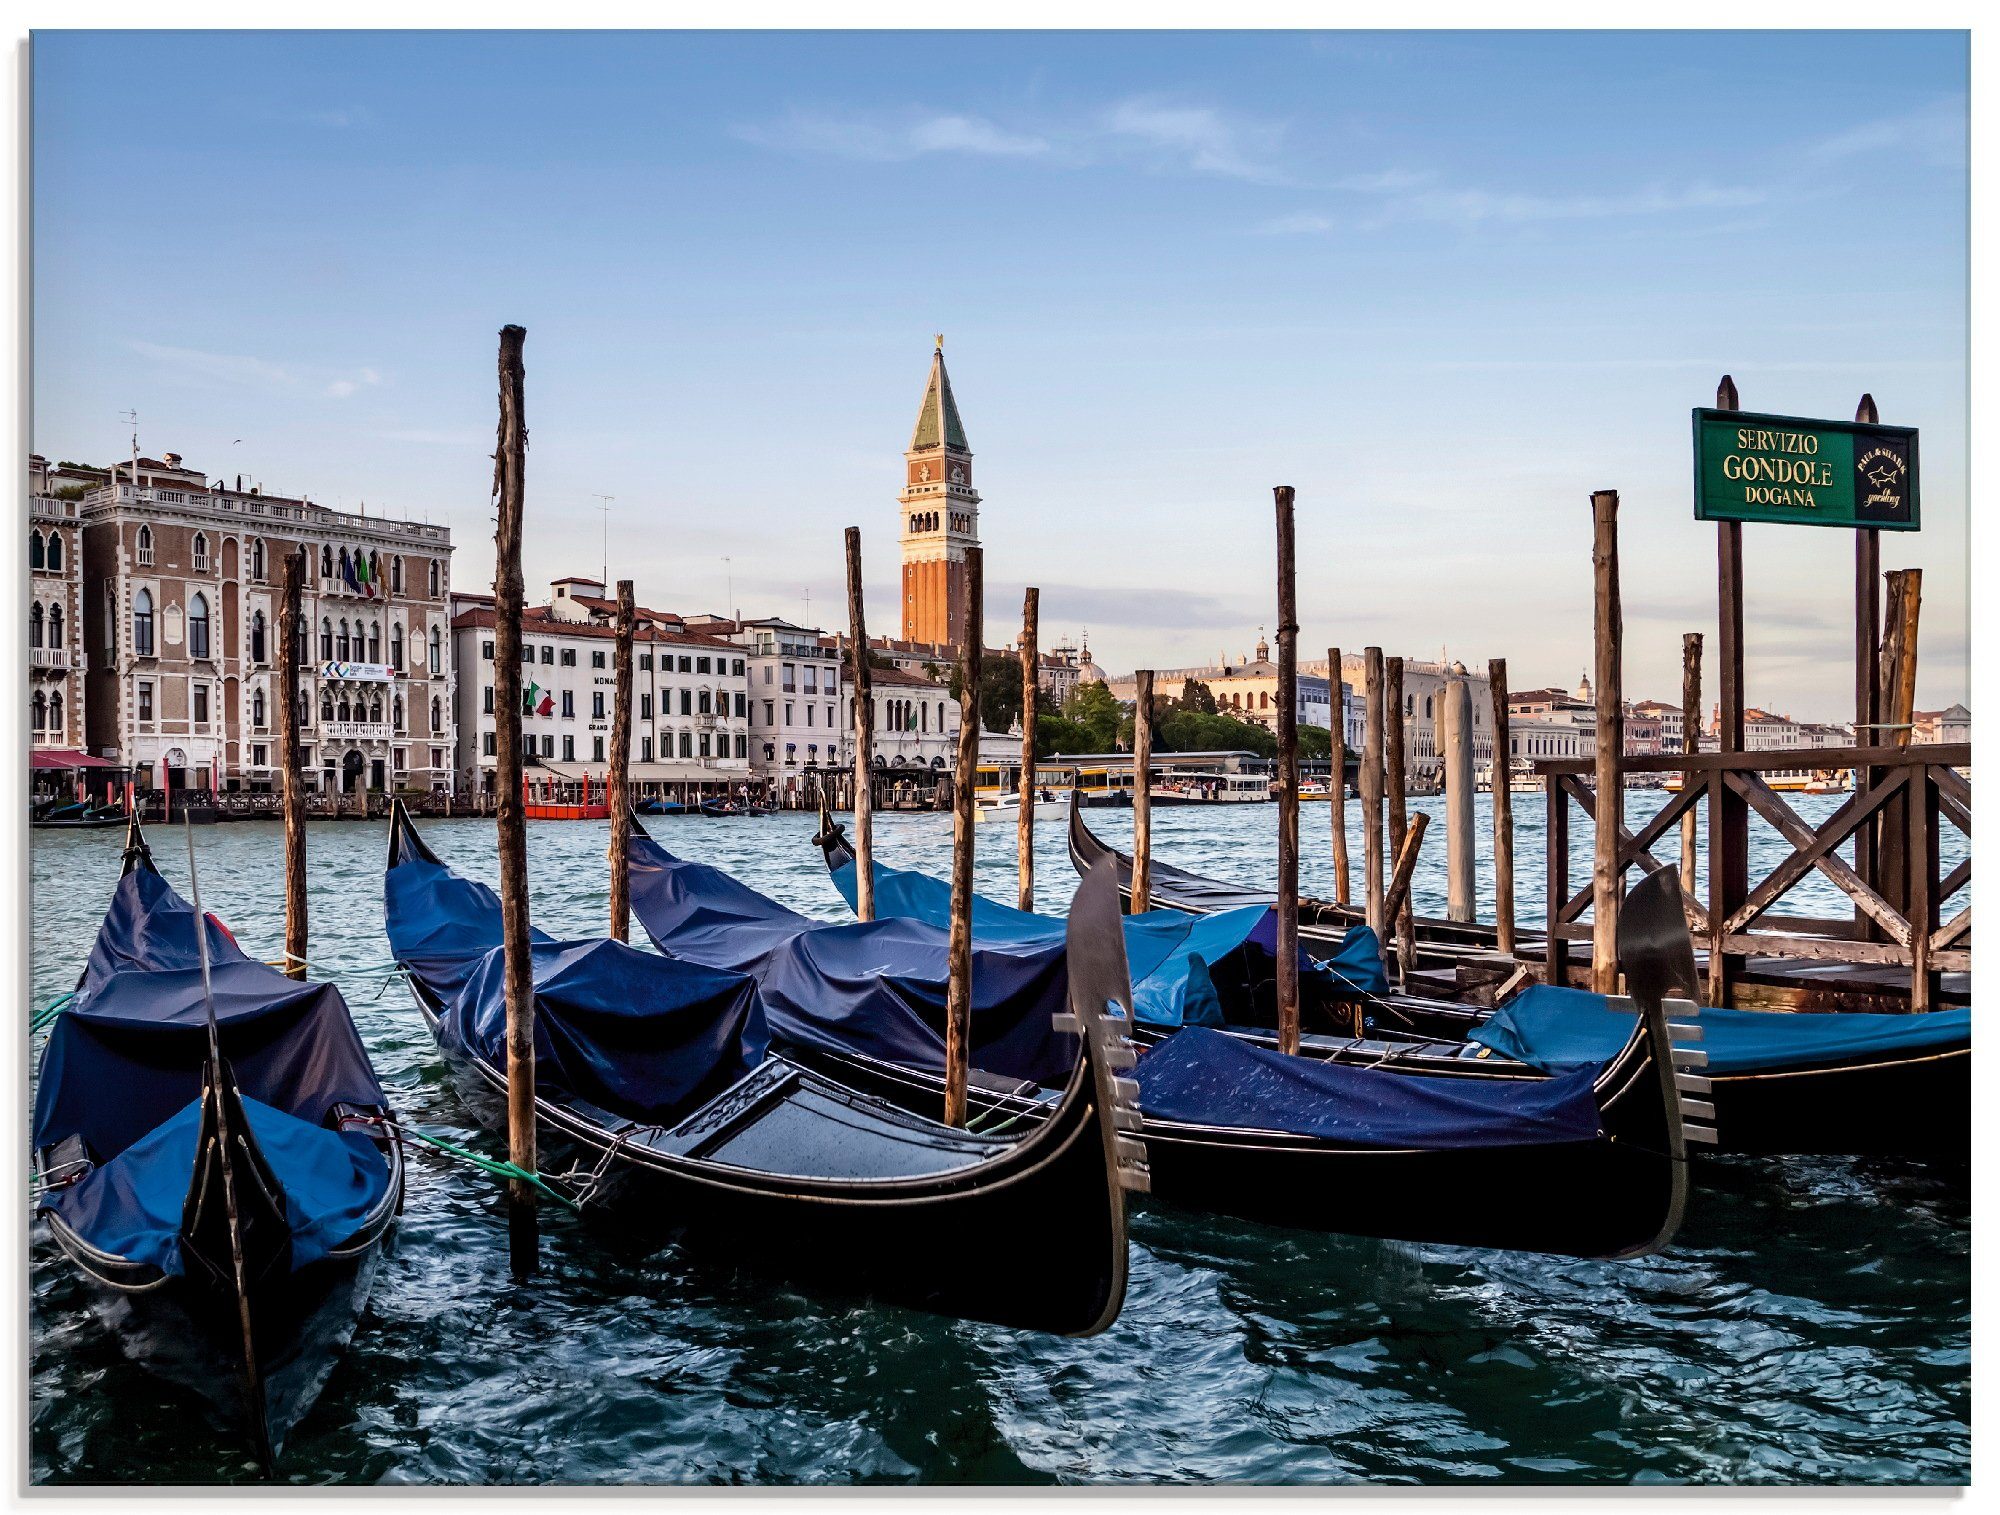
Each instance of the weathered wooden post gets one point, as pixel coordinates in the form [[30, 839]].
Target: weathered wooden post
[[958, 993], [1690, 742], [510, 459], [1031, 684], [1336, 793], [1406, 863], [1896, 700], [1503, 807], [1142, 791], [864, 735], [1288, 776], [1867, 689], [293, 794], [1728, 812], [617, 783], [1605, 874], [1371, 790], [1459, 852], [1396, 776]]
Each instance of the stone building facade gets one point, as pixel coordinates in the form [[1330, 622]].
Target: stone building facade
[[182, 580], [940, 515], [56, 656]]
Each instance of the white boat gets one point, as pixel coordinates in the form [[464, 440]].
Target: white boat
[[1008, 808]]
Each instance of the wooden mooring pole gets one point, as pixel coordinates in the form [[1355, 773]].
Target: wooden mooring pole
[[1503, 808], [1896, 700], [1371, 791], [1142, 791], [617, 781], [1031, 685], [1396, 776], [510, 460], [1336, 778], [1728, 811], [863, 684], [1288, 776], [1455, 737], [1690, 742], [958, 992], [1606, 892], [1406, 863], [291, 775], [1867, 688]]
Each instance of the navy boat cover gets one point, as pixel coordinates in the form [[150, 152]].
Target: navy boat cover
[[123, 1071], [639, 1035], [871, 987], [1553, 1028], [1209, 1078], [1170, 952]]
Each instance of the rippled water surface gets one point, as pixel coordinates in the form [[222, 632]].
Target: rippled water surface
[[1810, 1324]]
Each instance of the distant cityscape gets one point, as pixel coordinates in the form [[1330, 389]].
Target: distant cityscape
[[152, 651]]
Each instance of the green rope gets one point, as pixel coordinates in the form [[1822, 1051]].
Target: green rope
[[498, 1167], [50, 1011]]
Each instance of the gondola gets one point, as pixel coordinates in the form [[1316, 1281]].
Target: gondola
[[1577, 1163], [658, 1070], [1785, 1082], [240, 1277], [661, 807], [721, 809], [76, 815]]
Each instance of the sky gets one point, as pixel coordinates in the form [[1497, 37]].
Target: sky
[[1443, 284]]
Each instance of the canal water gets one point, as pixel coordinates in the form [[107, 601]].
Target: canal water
[[1811, 1324]]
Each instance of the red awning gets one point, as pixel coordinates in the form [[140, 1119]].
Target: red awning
[[67, 759]]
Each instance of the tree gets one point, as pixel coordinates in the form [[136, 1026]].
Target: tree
[[1056, 733], [1196, 695], [1315, 742], [999, 690], [1092, 708]]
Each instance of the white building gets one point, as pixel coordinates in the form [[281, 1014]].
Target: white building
[[691, 710]]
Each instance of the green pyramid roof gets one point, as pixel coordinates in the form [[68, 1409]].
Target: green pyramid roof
[[939, 412]]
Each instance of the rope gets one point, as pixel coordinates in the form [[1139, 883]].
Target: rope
[[498, 1167], [50, 1011]]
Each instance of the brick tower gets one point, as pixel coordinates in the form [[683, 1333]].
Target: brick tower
[[940, 515]]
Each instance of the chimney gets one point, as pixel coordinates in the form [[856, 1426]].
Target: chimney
[[173, 460]]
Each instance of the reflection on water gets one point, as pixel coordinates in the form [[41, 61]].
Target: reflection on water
[[1812, 1323]]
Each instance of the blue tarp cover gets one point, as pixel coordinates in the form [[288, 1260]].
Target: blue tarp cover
[[131, 1207], [637, 1034], [870, 987], [123, 1070], [1210, 1078], [1169, 952], [1551, 1028]]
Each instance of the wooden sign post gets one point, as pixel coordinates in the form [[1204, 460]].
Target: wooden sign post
[[1606, 877], [1288, 777]]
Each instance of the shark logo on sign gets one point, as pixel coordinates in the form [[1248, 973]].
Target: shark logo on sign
[[1881, 483]]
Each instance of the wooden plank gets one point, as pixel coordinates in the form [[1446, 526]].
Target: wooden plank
[[1922, 845], [1759, 796], [510, 461], [617, 782], [1951, 784], [958, 947], [1784, 944], [1337, 779], [1288, 775], [1503, 806], [1031, 687], [861, 681], [1768, 760], [1954, 881], [1958, 926], [1633, 847], [1835, 829], [1406, 864]]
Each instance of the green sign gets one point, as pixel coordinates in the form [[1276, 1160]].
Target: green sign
[[1805, 473]]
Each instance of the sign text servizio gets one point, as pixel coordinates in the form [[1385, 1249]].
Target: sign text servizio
[[1809, 473]]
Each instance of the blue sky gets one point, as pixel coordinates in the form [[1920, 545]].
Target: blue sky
[[1444, 284]]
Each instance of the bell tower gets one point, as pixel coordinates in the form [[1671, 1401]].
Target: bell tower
[[940, 515]]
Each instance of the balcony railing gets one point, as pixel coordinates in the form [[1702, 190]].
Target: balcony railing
[[48, 657]]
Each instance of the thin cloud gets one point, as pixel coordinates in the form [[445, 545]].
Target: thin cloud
[[1476, 207], [1935, 133], [242, 371], [1198, 138], [898, 142]]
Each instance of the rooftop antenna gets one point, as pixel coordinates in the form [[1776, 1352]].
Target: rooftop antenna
[[131, 419], [605, 506], [729, 578]]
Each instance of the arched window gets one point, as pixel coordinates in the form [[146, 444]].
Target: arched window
[[375, 710], [343, 644], [55, 626], [325, 562], [434, 578], [437, 650], [326, 707], [346, 709], [437, 715], [55, 711], [305, 709], [343, 565], [37, 552], [38, 712], [55, 552], [257, 708], [143, 546], [374, 642], [396, 574], [35, 624], [142, 624], [375, 571], [256, 636], [1427, 707], [399, 712], [325, 640], [198, 627], [201, 552], [257, 558], [396, 644]]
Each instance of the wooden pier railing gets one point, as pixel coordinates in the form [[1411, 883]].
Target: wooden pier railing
[[1898, 918]]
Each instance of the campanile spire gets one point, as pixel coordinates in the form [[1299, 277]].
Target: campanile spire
[[940, 511]]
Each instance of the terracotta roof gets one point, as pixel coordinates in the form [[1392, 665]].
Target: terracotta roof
[[903, 679], [536, 621]]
